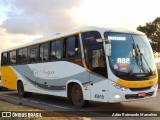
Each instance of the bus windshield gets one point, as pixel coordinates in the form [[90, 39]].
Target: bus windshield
[[131, 56]]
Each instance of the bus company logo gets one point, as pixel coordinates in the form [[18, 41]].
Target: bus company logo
[[6, 114], [42, 72]]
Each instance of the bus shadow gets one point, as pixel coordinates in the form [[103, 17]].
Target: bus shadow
[[123, 106], [92, 106]]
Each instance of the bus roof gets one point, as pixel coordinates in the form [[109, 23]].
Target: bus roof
[[61, 35]]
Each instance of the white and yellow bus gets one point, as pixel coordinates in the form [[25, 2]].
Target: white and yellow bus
[[87, 64]]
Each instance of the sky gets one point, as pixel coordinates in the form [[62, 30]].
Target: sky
[[22, 21]]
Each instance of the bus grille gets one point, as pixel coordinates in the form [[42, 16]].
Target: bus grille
[[137, 89], [135, 96]]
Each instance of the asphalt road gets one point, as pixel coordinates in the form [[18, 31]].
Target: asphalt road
[[94, 109]]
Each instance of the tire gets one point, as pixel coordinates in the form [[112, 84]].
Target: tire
[[77, 96], [21, 91]]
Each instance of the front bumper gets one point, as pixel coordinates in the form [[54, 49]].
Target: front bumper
[[117, 95]]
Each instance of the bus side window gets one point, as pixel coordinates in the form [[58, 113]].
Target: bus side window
[[4, 59], [89, 38], [33, 56], [44, 50], [24, 55], [53, 50], [59, 49], [12, 57], [94, 53], [97, 58], [20, 56], [56, 49], [72, 47]]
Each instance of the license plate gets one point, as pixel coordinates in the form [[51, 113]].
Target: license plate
[[142, 94]]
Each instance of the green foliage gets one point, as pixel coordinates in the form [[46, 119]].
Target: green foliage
[[152, 30]]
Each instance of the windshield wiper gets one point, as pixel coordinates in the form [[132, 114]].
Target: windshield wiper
[[136, 57], [140, 54]]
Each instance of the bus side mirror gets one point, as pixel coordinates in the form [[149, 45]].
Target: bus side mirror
[[100, 40], [108, 47]]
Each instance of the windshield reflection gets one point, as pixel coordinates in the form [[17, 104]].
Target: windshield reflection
[[131, 55]]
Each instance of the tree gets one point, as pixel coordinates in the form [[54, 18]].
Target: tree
[[152, 30]]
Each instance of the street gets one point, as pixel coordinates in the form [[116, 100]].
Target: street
[[94, 109]]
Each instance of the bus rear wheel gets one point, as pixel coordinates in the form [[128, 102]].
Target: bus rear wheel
[[77, 96], [21, 91]]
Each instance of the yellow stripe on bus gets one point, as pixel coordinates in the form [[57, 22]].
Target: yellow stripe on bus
[[9, 78], [138, 83]]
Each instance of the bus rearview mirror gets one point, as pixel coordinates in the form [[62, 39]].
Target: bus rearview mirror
[[107, 47], [99, 40]]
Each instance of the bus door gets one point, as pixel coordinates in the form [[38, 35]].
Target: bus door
[[96, 63]]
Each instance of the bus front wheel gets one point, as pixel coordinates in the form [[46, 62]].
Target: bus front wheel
[[77, 96], [21, 91]]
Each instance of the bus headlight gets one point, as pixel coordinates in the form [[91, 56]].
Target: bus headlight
[[117, 96], [119, 86]]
